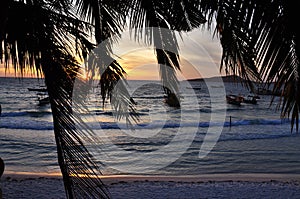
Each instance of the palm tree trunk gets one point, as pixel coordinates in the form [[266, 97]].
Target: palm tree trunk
[[60, 85], [81, 173]]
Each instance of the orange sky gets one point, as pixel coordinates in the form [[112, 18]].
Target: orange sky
[[10, 72], [199, 54], [200, 57]]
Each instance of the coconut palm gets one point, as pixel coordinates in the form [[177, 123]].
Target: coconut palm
[[258, 38], [260, 41], [47, 37]]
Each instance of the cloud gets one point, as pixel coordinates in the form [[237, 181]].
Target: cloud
[[200, 56]]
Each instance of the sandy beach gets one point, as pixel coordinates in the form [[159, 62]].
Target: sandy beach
[[203, 186]]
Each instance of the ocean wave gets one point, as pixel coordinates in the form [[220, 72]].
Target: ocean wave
[[254, 136], [148, 97], [171, 124], [257, 122], [27, 125], [14, 114], [21, 123], [243, 136], [25, 113]]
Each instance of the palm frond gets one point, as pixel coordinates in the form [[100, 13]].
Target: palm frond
[[259, 41], [183, 15], [43, 39], [107, 17], [100, 63], [278, 56], [81, 172], [239, 53], [259, 38], [22, 43], [153, 16]]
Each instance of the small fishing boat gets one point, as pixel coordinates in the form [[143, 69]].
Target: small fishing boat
[[234, 99], [172, 100], [251, 99], [195, 88], [38, 89], [43, 101], [43, 98]]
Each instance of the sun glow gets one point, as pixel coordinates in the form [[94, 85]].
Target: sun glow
[[25, 73], [140, 62]]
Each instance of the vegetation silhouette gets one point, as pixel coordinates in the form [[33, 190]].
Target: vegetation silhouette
[[260, 41]]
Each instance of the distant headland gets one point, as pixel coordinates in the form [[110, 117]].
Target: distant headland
[[226, 78]]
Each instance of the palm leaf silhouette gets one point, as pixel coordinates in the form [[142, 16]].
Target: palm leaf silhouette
[[259, 40], [43, 40]]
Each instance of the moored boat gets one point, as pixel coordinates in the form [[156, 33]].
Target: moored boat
[[44, 101], [251, 99], [234, 99], [38, 89]]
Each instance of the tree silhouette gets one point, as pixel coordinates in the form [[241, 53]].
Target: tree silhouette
[[260, 41]]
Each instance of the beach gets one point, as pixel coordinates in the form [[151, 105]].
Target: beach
[[255, 155], [151, 100], [180, 187]]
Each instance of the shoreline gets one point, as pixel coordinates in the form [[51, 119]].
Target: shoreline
[[224, 177], [283, 186]]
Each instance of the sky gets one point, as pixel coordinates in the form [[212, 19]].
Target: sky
[[200, 56]]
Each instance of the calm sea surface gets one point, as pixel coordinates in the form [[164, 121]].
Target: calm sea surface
[[196, 139]]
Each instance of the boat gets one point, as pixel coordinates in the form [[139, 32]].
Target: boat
[[172, 100], [195, 88], [251, 99], [43, 101], [38, 89], [234, 99]]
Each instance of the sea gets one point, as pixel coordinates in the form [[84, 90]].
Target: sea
[[204, 136]]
